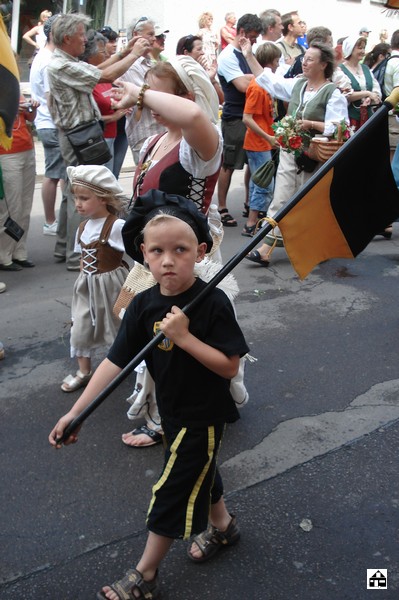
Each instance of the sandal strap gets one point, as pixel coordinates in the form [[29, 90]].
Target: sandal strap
[[83, 376], [205, 539], [69, 379], [154, 435], [213, 536], [133, 580]]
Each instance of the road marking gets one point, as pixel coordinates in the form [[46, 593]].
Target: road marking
[[296, 441]]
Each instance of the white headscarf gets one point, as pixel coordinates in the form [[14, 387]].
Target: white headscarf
[[197, 81]]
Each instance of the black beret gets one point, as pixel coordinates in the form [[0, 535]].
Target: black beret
[[153, 203]]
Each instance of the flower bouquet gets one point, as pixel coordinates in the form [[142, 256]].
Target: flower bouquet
[[289, 135], [343, 131]]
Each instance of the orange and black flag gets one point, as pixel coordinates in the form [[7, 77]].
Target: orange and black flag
[[9, 88], [350, 199]]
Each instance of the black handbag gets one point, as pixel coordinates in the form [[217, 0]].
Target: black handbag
[[12, 229], [88, 143]]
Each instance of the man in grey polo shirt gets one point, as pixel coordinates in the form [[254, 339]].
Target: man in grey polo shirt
[[71, 103]]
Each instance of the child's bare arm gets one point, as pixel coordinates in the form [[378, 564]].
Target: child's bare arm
[[175, 327], [104, 374]]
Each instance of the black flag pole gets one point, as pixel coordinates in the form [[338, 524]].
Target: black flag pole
[[349, 146]]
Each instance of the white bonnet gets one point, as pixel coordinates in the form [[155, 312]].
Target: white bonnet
[[197, 82], [349, 43], [95, 177]]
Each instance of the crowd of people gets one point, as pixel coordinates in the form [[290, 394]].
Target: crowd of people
[[190, 120]]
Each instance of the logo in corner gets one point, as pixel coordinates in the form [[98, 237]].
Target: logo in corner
[[377, 579]]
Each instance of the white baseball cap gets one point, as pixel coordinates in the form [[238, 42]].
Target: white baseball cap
[[160, 30]]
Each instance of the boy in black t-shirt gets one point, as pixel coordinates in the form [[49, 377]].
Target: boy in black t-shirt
[[192, 368]]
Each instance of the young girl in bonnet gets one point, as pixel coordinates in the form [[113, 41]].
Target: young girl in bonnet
[[102, 270]]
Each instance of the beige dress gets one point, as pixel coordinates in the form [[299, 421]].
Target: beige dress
[[98, 285]]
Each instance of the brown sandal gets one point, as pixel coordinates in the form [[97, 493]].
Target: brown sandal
[[212, 540], [226, 218], [133, 582]]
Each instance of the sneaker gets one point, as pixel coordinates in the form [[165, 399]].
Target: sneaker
[[3, 287], [50, 229]]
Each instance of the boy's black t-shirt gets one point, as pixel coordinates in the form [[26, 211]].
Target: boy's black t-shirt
[[188, 394]]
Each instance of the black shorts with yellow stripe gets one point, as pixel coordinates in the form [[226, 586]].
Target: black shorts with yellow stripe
[[189, 482]]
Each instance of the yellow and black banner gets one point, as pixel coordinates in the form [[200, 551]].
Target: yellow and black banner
[[9, 88], [346, 203]]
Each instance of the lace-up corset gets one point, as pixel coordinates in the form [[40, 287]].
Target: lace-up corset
[[170, 177], [99, 256]]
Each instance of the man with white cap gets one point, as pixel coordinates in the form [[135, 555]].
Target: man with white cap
[[159, 44], [364, 31]]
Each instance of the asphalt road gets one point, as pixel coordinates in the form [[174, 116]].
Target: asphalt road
[[310, 470]]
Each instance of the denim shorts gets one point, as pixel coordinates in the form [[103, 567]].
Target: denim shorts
[[54, 166], [234, 155], [259, 198]]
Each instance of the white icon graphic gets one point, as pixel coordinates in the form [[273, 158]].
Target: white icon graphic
[[377, 579]]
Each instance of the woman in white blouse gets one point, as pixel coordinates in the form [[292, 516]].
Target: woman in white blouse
[[366, 89]]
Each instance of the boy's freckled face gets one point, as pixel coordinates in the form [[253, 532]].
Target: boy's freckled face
[[171, 250]]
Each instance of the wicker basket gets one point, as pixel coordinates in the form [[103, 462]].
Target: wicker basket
[[138, 280], [321, 150]]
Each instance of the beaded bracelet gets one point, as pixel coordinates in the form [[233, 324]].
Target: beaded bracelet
[[140, 101]]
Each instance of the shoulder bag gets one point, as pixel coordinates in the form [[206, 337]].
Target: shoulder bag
[[88, 143]]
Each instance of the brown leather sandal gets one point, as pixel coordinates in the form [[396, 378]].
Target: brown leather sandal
[[226, 218], [212, 540], [133, 582]]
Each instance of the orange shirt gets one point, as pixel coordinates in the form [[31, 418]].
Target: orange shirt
[[21, 136], [259, 104]]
